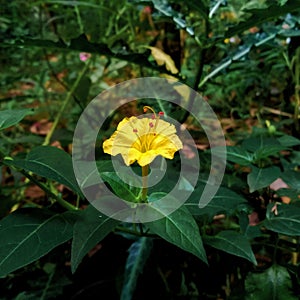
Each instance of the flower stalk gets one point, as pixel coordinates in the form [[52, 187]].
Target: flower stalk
[[145, 171]]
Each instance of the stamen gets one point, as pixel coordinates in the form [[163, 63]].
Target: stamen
[[135, 130], [150, 108], [151, 125], [161, 113]]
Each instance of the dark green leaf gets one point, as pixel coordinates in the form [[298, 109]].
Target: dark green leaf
[[12, 117], [123, 190], [259, 16], [178, 228], [288, 141], [91, 227], [293, 194], [232, 242], [255, 143], [268, 151], [235, 154], [139, 252], [28, 234], [287, 220], [82, 44], [49, 162], [274, 283], [225, 201], [291, 178], [262, 177]]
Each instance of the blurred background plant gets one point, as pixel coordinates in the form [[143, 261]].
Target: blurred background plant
[[244, 59]]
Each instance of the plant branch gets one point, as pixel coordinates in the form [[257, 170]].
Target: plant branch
[[65, 104]]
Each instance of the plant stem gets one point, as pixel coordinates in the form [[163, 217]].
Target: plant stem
[[297, 90], [145, 170], [60, 200], [65, 103]]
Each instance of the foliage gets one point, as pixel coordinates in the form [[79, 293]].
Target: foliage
[[242, 56]]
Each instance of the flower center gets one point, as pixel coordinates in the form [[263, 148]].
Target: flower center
[[148, 134]]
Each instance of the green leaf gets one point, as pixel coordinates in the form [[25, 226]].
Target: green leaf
[[288, 141], [262, 177], [259, 141], [30, 233], [12, 117], [82, 44], [293, 194], [49, 162], [139, 252], [287, 220], [90, 228], [263, 15], [235, 154], [268, 151], [274, 283], [225, 201], [291, 178], [178, 228], [125, 191], [232, 242]]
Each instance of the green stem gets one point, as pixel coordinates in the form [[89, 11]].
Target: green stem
[[145, 171], [65, 103], [60, 200], [297, 89]]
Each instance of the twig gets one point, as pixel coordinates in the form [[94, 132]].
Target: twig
[[65, 104]]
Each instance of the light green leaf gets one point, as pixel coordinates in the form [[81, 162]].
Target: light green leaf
[[12, 117], [232, 242], [287, 220], [30, 233], [90, 228], [49, 162], [178, 228], [262, 177], [274, 283], [139, 252]]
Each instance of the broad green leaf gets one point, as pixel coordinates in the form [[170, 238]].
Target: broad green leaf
[[288, 141], [274, 283], [49, 162], [262, 177], [178, 228], [125, 191], [235, 154], [232, 242], [225, 201], [12, 117], [287, 220], [259, 140], [293, 194], [30, 233], [91, 227], [250, 231], [291, 178], [139, 252], [268, 151]]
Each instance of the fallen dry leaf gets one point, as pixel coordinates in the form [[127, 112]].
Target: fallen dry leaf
[[163, 59]]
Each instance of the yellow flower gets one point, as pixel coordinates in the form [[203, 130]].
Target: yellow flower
[[143, 139]]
